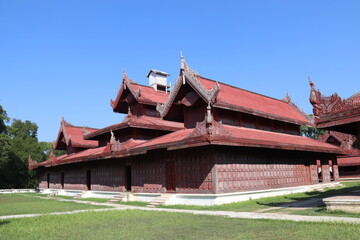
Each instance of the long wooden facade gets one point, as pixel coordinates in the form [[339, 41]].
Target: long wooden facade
[[202, 137]]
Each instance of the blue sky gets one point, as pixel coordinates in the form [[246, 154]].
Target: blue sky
[[65, 58]]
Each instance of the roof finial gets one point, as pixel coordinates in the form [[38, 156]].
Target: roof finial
[[310, 82], [183, 63], [112, 138]]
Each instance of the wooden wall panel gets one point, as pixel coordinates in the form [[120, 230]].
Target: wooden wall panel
[[251, 169]]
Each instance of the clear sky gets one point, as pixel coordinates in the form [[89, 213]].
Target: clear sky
[[65, 58]]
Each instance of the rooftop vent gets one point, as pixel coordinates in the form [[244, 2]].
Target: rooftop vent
[[158, 80]]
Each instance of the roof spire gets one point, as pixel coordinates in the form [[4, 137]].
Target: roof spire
[[287, 97], [310, 82], [183, 65]]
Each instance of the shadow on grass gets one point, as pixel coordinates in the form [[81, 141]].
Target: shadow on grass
[[347, 190], [3, 222]]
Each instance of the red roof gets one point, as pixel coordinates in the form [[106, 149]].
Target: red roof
[[348, 161], [148, 94], [248, 136], [143, 94], [138, 122], [224, 96], [166, 139], [88, 154], [187, 138], [70, 135], [238, 136], [250, 102]]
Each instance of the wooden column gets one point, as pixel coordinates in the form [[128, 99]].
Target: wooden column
[[325, 171]]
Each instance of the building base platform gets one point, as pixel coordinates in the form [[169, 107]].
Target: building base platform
[[195, 199], [349, 204]]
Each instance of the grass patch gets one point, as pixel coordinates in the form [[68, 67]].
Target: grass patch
[[321, 211], [100, 200], [135, 224], [134, 203], [63, 197], [13, 204]]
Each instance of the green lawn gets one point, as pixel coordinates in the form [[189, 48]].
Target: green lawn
[[263, 203], [12, 204], [135, 224], [134, 203]]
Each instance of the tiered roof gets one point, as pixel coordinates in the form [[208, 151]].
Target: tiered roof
[[70, 135], [142, 122], [225, 96], [219, 134], [141, 93], [207, 132]]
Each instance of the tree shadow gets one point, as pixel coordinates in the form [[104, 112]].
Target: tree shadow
[[348, 191], [3, 222]]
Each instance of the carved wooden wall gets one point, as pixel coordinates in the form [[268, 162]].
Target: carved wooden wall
[[251, 169], [105, 176], [148, 174]]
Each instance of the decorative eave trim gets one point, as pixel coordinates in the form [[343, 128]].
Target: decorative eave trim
[[31, 163], [130, 121], [126, 84], [62, 130], [323, 106], [187, 75], [289, 101], [261, 114]]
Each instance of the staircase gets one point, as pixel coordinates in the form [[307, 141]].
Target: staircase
[[54, 194], [159, 200], [121, 197], [79, 195]]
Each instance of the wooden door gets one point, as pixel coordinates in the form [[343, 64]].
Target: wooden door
[[88, 180], [62, 180], [170, 176], [128, 178], [48, 180]]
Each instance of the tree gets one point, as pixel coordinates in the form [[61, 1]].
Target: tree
[[17, 142], [47, 147], [3, 120], [311, 132], [5, 145]]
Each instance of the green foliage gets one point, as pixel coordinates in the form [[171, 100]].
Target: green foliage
[[311, 132], [17, 142], [47, 147], [3, 119]]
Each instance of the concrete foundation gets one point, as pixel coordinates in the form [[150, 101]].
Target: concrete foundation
[[349, 204], [197, 199]]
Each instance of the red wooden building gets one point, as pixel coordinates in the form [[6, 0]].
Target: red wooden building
[[341, 117], [204, 139]]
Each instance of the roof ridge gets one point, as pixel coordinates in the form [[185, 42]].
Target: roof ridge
[[82, 127], [142, 85], [226, 84]]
